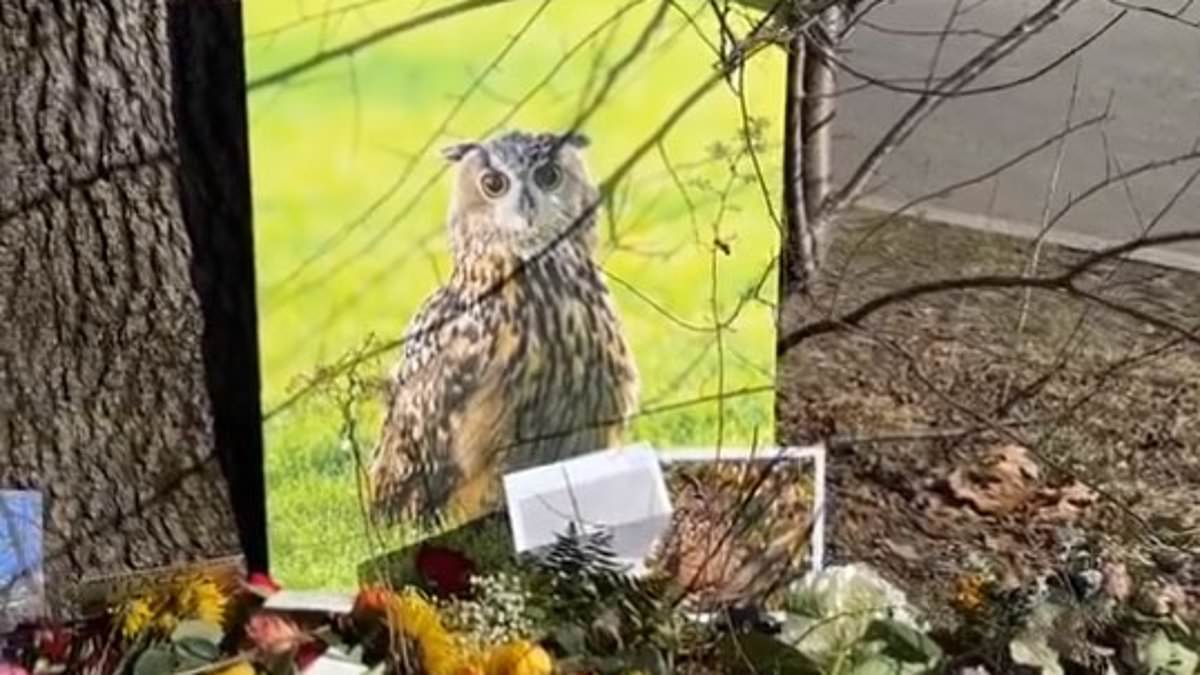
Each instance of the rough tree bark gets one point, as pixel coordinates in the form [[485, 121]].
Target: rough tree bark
[[129, 383], [797, 250]]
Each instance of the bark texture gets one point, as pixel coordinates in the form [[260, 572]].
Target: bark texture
[[797, 251], [128, 367]]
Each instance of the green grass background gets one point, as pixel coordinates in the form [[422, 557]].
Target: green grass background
[[349, 214]]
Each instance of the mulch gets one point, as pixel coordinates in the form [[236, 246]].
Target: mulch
[[927, 391]]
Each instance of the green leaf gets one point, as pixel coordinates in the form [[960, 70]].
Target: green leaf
[[903, 641], [1033, 651], [880, 664], [197, 650], [650, 661], [199, 630], [602, 665], [281, 664], [1163, 656], [571, 637], [764, 655], [155, 660]]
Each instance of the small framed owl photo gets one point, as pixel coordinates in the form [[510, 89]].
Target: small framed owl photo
[[494, 235], [22, 575]]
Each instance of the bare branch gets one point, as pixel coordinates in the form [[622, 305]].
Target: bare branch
[[1064, 282], [930, 101], [997, 170], [410, 166], [1039, 240], [396, 185], [1037, 74], [326, 55], [750, 46], [1176, 16]]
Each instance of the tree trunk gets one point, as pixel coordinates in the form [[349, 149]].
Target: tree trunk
[[810, 102], [819, 111], [129, 383], [796, 256]]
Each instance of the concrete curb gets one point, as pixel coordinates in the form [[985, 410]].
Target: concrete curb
[[1156, 256]]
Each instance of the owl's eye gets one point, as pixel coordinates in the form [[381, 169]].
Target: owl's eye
[[493, 183], [547, 176]]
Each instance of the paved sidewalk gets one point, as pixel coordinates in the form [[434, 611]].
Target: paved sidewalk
[[1147, 66]]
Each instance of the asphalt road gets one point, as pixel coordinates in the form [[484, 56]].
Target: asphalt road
[[1145, 69]]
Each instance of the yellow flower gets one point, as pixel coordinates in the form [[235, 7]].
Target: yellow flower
[[520, 657], [969, 592], [441, 652], [160, 610], [165, 622], [239, 668], [202, 598], [444, 653], [135, 616]]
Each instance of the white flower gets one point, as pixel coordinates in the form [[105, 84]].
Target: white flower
[[832, 609]]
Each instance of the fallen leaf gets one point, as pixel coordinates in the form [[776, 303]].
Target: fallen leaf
[[904, 551], [1066, 503], [1001, 484], [1118, 585]]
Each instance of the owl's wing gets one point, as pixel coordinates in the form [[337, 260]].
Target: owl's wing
[[424, 334], [446, 410]]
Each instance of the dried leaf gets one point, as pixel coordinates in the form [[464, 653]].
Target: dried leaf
[[1002, 483], [1066, 503]]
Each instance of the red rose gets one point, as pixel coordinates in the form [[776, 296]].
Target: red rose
[[309, 652], [53, 643], [261, 583], [446, 571]]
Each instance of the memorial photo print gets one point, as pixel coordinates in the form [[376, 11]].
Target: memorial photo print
[[487, 254]]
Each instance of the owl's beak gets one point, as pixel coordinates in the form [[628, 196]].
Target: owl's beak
[[526, 206]]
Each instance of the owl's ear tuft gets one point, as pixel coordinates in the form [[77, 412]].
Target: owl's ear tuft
[[457, 151], [576, 139]]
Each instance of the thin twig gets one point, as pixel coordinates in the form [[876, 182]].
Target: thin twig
[[1064, 282]]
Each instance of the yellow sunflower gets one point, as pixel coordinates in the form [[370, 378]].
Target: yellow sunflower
[[135, 616], [519, 657], [441, 652], [200, 597]]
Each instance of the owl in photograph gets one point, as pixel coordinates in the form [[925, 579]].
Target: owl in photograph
[[520, 358]]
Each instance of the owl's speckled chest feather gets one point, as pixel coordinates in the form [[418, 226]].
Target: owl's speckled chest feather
[[569, 381]]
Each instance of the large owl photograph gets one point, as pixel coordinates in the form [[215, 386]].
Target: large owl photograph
[[495, 235]]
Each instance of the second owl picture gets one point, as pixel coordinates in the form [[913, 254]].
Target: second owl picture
[[492, 237]]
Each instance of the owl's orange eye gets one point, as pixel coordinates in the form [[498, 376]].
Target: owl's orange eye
[[493, 183]]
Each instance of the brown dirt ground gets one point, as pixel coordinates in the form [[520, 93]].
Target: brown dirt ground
[[1095, 405]]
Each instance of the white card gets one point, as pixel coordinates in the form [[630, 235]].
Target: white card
[[331, 602]]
